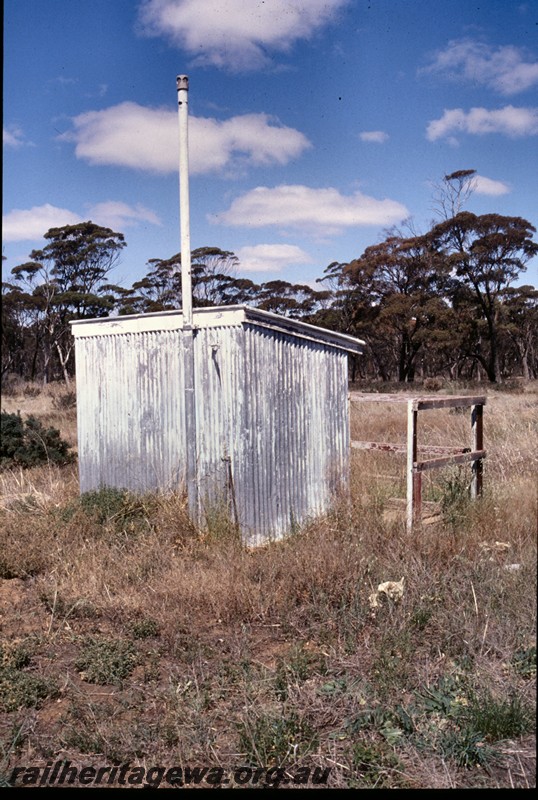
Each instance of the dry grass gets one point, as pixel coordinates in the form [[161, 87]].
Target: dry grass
[[222, 655]]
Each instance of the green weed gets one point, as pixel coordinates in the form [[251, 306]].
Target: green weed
[[271, 740], [144, 628], [455, 496], [373, 763], [524, 662], [125, 511], [20, 689], [467, 748], [498, 719], [107, 661], [299, 665]]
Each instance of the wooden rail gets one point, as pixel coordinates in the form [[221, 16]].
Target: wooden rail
[[444, 456]]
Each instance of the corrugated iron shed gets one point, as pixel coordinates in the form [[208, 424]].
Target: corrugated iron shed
[[271, 406]]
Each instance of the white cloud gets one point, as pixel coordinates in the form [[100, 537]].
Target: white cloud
[[63, 81], [28, 225], [118, 215], [235, 34], [31, 224], [271, 257], [144, 138], [504, 69], [12, 136], [319, 211], [507, 121], [487, 186], [378, 137]]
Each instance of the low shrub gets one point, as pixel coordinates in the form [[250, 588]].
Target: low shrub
[[106, 661], [65, 401], [18, 687], [27, 443]]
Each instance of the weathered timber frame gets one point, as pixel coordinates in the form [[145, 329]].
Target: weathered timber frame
[[443, 456]]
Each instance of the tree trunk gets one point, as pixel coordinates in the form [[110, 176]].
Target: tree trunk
[[64, 358]]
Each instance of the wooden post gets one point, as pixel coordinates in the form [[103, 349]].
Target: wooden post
[[477, 427], [414, 479]]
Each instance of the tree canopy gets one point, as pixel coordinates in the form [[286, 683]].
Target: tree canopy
[[63, 281]]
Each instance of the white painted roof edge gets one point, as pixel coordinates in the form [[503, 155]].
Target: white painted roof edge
[[213, 317], [297, 327]]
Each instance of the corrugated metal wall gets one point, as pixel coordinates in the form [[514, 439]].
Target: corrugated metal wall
[[130, 410], [219, 393], [272, 420], [295, 422]]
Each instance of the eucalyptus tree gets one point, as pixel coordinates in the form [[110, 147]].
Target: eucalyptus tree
[[485, 255], [521, 327], [66, 280], [397, 287], [212, 276], [452, 193], [295, 300]]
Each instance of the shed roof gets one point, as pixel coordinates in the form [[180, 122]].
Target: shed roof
[[215, 317]]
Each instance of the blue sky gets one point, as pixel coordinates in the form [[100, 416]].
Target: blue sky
[[314, 125]]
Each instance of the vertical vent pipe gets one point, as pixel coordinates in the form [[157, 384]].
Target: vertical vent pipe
[[184, 212], [182, 83]]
